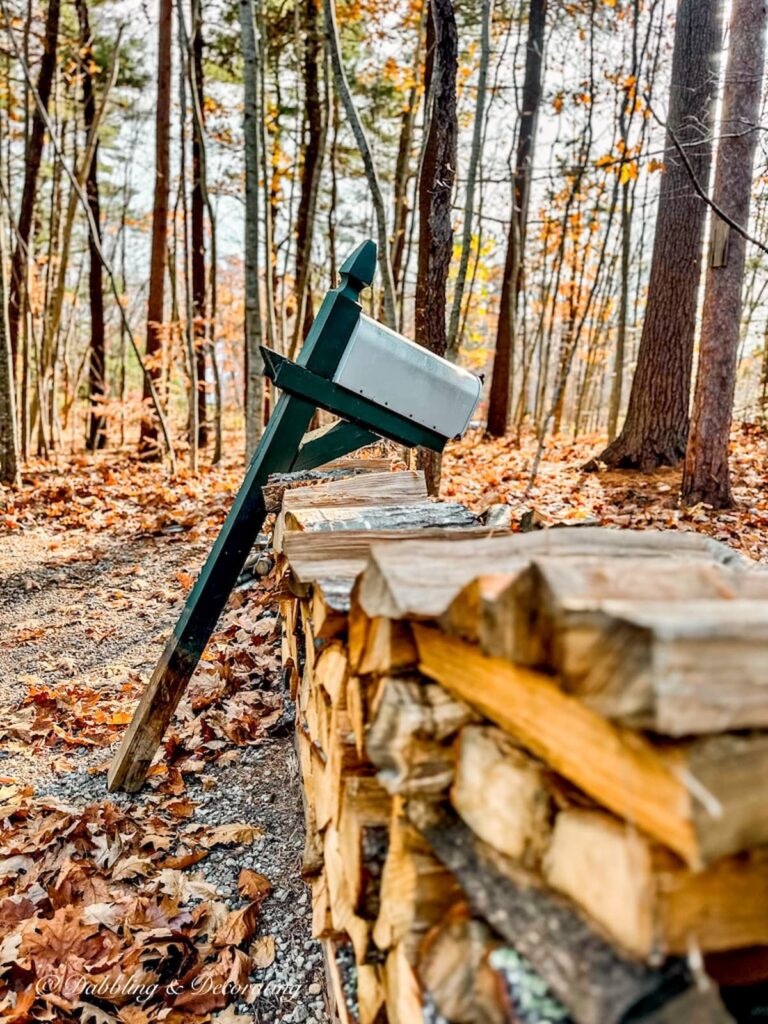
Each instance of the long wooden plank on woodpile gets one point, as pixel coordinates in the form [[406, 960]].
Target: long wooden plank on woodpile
[[279, 484], [343, 554], [365, 496], [596, 983], [424, 515], [420, 579], [403, 487], [699, 798]]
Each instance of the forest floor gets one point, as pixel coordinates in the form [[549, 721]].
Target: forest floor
[[197, 879]]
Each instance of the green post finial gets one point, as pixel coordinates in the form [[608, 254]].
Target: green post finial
[[358, 269]]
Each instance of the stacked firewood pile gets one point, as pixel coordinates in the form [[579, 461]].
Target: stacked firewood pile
[[533, 765]]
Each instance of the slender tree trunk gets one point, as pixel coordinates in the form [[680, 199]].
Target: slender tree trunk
[[656, 425], [9, 438], [342, 88], [197, 218], [312, 163], [97, 422], [438, 168], [474, 162], [706, 476], [403, 163], [254, 384], [34, 155], [269, 201], [187, 332], [148, 438], [500, 397]]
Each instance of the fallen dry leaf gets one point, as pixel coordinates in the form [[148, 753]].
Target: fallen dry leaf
[[252, 885], [262, 951]]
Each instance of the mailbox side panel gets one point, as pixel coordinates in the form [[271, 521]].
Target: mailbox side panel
[[398, 374]]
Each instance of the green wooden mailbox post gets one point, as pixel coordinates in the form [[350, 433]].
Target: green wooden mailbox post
[[380, 385]]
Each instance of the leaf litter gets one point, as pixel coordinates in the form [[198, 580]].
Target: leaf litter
[[184, 903]]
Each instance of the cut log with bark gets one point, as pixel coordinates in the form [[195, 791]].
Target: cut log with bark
[[424, 515], [593, 980], [627, 639]]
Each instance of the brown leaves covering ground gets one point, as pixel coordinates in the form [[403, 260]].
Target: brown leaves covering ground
[[104, 916], [481, 471]]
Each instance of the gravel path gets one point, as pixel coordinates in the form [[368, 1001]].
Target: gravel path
[[93, 610]]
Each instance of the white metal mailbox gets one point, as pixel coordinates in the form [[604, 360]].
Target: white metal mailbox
[[396, 373]]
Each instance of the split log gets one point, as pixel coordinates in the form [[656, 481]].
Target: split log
[[403, 993], [419, 579], [592, 980], [454, 969], [409, 735], [502, 794], [312, 769], [645, 900], [416, 889], [542, 604], [331, 673], [698, 799], [677, 668], [371, 1008], [404, 487], [366, 810], [379, 646]]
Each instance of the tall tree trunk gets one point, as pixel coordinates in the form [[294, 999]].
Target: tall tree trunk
[[403, 163], [198, 217], [97, 422], [148, 438], [342, 88], [706, 476], [34, 155], [254, 384], [474, 162], [312, 162], [656, 425], [9, 438], [499, 401], [438, 169]]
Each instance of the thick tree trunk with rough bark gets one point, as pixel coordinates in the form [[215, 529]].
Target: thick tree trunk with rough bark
[[97, 421], [438, 169], [706, 476], [499, 400], [148, 438], [34, 157], [656, 424], [198, 220]]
